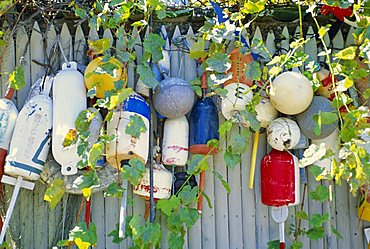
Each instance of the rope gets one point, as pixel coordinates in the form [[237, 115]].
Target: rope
[[63, 54]]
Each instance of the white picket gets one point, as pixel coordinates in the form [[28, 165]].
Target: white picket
[[176, 56], [66, 43], [285, 42], [270, 43], [350, 41], [166, 61], [8, 61], [79, 46], [22, 50], [190, 64]]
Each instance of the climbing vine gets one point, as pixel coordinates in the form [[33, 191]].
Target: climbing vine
[[213, 44]]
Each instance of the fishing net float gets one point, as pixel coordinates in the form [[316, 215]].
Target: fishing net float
[[69, 99], [28, 153]]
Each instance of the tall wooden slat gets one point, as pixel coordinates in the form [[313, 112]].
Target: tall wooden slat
[[98, 217], [350, 40], [66, 43], [262, 211], [221, 200], [270, 43], [22, 49], [79, 46], [37, 53], [8, 61], [337, 42], [52, 49], [166, 61], [285, 41], [208, 214], [235, 208], [357, 231], [176, 56], [310, 47], [248, 200], [190, 64]]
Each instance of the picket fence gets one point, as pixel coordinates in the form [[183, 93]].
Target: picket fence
[[236, 220]]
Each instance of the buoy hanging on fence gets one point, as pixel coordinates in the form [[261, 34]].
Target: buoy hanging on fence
[[29, 146], [203, 127], [266, 113], [280, 179], [283, 134], [175, 147], [173, 97], [31, 141], [237, 97], [306, 122], [8, 118], [291, 93], [327, 87], [238, 64], [69, 99], [102, 74], [162, 185], [125, 146]]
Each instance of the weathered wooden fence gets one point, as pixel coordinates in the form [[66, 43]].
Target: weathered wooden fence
[[237, 220]]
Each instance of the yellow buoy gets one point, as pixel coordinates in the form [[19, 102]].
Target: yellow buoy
[[102, 74]]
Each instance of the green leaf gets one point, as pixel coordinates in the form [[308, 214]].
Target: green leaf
[[147, 76], [175, 241], [316, 170], [312, 154], [167, 206], [153, 44], [225, 128], [134, 171], [197, 49], [70, 138], [82, 236], [253, 7], [317, 124], [336, 232], [348, 53], [219, 62], [253, 70], [231, 159], [328, 117], [316, 233], [213, 144], [251, 118], [322, 31], [116, 99], [301, 215], [189, 216], [223, 181], [320, 194], [100, 46], [140, 23], [54, 193], [115, 235], [91, 93], [273, 244], [114, 190], [17, 78], [81, 13], [317, 220], [95, 153], [152, 234], [188, 195], [197, 163], [136, 126], [87, 180], [239, 141]]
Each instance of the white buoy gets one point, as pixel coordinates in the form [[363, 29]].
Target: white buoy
[[69, 99], [175, 148], [8, 117], [283, 134]]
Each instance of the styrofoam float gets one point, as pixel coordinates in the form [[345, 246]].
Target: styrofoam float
[[29, 146], [125, 146], [69, 99], [175, 146], [283, 134]]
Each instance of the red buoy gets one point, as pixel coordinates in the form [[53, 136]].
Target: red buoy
[[279, 179]]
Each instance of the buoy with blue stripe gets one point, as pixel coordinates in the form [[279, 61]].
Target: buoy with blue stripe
[[29, 146], [125, 146], [69, 99]]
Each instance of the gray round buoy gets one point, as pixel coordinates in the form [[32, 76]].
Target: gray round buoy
[[306, 122], [173, 97]]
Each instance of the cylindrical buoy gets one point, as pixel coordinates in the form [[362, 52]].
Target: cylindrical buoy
[[103, 79], [30, 146], [306, 122], [237, 97], [283, 134], [280, 179], [175, 147], [173, 97], [238, 64], [291, 93], [125, 146], [69, 99], [162, 183]]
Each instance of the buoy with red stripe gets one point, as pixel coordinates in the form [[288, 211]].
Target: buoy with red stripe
[[69, 99], [125, 146], [175, 146], [29, 146]]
